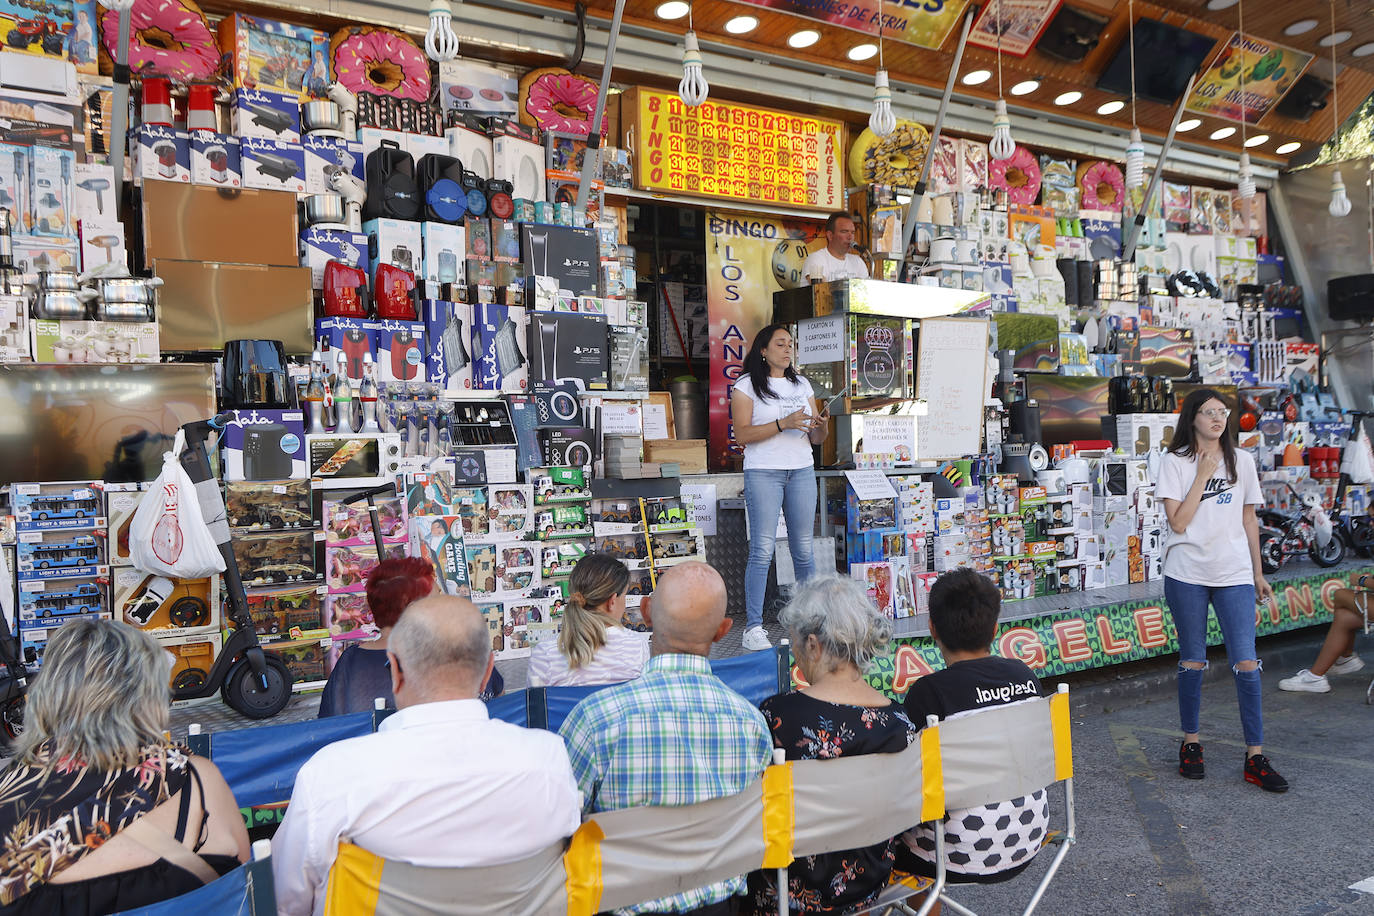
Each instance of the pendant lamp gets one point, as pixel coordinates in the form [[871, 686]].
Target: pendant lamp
[[1135, 149], [1245, 182], [1001, 146], [693, 88], [1340, 203], [882, 121]]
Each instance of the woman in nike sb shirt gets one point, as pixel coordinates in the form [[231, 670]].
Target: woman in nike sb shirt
[[1210, 490]]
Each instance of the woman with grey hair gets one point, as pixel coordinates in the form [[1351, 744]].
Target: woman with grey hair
[[837, 634], [99, 812]]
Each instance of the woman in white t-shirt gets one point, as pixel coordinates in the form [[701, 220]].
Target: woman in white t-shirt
[[1210, 490], [593, 647], [777, 419]]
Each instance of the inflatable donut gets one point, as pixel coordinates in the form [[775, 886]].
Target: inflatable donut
[[896, 159], [166, 37], [552, 98], [1019, 176], [1101, 186], [379, 61]]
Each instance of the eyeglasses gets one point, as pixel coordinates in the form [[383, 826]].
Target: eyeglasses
[[1215, 413]]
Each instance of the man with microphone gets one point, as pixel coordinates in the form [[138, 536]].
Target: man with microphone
[[836, 261]]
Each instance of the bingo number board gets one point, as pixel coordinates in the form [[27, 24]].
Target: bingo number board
[[736, 152]]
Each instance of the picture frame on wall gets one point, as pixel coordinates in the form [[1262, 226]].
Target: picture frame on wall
[[1021, 23]]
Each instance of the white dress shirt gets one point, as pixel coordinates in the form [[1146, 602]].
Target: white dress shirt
[[621, 658], [829, 267], [440, 784]]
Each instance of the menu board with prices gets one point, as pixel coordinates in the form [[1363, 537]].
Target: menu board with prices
[[736, 152]]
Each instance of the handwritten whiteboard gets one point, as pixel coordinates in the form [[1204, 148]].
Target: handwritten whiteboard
[[951, 376]]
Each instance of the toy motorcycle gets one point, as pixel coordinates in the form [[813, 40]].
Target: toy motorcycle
[[1286, 534]]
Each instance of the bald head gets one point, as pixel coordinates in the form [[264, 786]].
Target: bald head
[[687, 609], [442, 649]]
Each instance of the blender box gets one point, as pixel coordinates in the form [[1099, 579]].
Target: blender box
[[14, 182], [14, 330], [324, 153], [216, 160], [264, 113], [264, 445], [353, 336], [393, 241], [272, 165], [275, 56], [448, 329], [51, 202], [161, 154], [501, 364], [322, 244], [444, 246], [400, 350]]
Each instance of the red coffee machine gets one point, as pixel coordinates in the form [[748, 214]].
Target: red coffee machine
[[345, 291]]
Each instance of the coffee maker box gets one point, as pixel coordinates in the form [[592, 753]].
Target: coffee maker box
[[216, 160], [264, 445], [566, 346], [500, 360], [400, 350], [354, 337], [448, 330], [321, 244]]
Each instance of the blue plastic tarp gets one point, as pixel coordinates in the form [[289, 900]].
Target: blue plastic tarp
[[230, 895]]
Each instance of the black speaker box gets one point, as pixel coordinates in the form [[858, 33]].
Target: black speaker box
[[443, 197], [391, 188], [1306, 98], [1350, 298], [1071, 34]]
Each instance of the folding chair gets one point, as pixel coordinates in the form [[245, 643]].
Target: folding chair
[[246, 891]]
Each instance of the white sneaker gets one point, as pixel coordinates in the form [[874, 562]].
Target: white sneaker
[[1347, 664], [756, 639], [1305, 682]]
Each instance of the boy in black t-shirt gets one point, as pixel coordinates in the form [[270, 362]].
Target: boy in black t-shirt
[[993, 842]]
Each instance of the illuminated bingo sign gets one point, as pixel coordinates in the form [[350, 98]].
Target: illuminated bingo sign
[[736, 152]]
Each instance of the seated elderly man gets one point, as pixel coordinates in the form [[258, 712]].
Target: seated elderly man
[[440, 784], [676, 735]]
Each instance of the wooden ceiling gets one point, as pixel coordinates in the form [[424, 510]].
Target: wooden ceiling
[[1265, 19]]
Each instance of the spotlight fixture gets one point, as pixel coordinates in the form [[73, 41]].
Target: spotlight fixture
[[1363, 50], [1110, 108], [1025, 87], [742, 25], [1068, 98], [673, 9], [1336, 38], [1221, 133], [1221, 4], [1291, 146], [803, 39], [1256, 140], [976, 77], [862, 52], [1301, 27], [1190, 124]]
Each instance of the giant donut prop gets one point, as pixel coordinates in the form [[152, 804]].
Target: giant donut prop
[[166, 37], [552, 98], [379, 61], [1101, 186], [1019, 176], [895, 160]]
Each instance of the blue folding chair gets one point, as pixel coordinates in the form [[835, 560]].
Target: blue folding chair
[[246, 891]]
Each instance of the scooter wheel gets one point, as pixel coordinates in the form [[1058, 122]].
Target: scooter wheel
[[245, 694], [1362, 537], [1331, 555]]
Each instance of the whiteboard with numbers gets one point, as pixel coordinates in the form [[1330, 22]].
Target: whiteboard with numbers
[[951, 376]]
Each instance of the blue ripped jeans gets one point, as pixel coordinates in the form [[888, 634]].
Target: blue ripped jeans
[[766, 493], [1235, 609]]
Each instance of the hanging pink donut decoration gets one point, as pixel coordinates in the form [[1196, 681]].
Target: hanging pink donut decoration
[[1019, 176], [1102, 187], [379, 61], [166, 37]]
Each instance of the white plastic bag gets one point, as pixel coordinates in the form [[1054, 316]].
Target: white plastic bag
[[168, 536], [1357, 460]]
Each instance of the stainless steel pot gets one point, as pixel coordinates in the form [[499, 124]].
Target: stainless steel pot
[[124, 311], [324, 208], [58, 281], [131, 290], [58, 304], [321, 114]]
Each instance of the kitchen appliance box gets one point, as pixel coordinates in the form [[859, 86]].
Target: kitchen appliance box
[[499, 331], [448, 358], [322, 244], [264, 445]]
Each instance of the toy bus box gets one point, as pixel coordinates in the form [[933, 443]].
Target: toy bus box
[[562, 522], [277, 557], [156, 604], [630, 549], [60, 554], [348, 617], [194, 656], [559, 484], [271, 504], [559, 559], [347, 568], [672, 548], [51, 506], [306, 660], [617, 516], [279, 610], [509, 507], [44, 601], [121, 502]]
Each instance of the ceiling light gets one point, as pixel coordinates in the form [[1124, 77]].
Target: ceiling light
[[1336, 38], [862, 52], [1112, 107], [804, 39], [1289, 147], [977, 77], [1256, 140], [1221, 4], [741, 25], [1025, 87], [1190, 124], [673, 9], [1301, 27], [1221, 133], [1363, 50], [1068, 98]]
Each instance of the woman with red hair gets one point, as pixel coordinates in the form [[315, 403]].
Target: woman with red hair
[[360, 675]]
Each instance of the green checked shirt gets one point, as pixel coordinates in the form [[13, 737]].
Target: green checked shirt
[[675, 736]]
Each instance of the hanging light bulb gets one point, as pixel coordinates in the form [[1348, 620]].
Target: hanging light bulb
[[1245, 184], [693, 88], [882, 121], [1135, 160], [440, 42], [1340, 204], [1002, 145]]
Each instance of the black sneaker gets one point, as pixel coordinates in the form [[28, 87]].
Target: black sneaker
[[1258, 771], [1190, 761]]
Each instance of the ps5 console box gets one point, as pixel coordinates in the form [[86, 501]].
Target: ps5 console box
[[568, 346]]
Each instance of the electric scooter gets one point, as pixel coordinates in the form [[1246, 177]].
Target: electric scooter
[[1357, 531]]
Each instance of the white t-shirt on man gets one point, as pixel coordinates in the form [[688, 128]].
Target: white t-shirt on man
[[829, 267], [791, 448], [1214, 549]]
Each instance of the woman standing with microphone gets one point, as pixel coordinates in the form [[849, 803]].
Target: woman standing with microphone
[[777, 419], [1210, 490]]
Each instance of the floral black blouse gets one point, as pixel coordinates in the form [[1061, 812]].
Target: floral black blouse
[[811, 729]]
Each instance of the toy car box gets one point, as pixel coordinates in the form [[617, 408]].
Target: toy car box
[[59, 554], [559, 559], [268, 504], [667, 513], [159, 605], [44, 601], [278, 557], [559, 484], [305, 659], [281, 610], [562, 522], [276, 56]]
